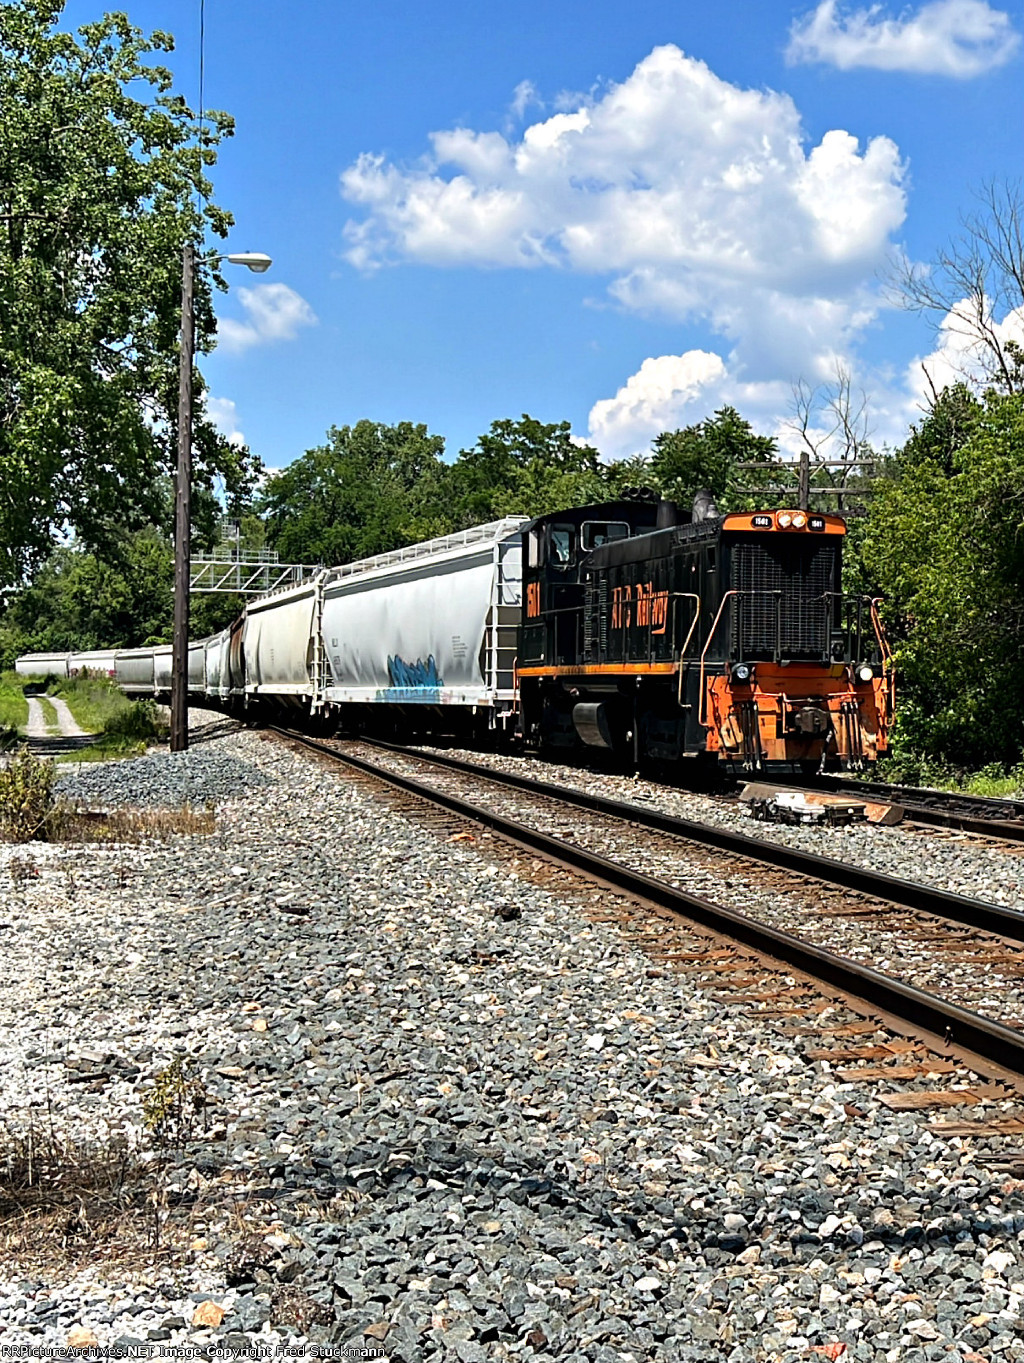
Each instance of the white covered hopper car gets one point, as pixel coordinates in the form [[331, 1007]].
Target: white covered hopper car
[[282, 654], [42, 665], [433, 625], [420, 632], [135, 671], [98, 662]]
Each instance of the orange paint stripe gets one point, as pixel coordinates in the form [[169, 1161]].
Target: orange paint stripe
[[599, 669]]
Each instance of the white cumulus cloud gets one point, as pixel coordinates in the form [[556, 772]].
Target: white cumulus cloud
[[960, 355], [273, 312], [959, 38], [224, 415], [695, 198], [670, 391]]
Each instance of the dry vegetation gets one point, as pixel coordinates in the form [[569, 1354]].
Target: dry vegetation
[[124, 1209], [31, 811]]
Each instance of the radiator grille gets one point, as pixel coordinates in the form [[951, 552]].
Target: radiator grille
[[803, 570]]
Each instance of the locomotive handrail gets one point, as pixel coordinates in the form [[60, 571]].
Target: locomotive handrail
[[888, 661], [669, 596], [775, 592], [701, 708], [686, 642]]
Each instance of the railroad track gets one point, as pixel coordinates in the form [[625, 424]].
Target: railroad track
[[1002, 819], [745, 952]]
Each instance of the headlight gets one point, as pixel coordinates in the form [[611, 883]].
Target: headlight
[[865, 673], [742, 672], [799, 520], [785, 519]]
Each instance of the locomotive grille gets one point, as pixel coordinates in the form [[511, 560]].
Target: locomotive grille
[[803, 570], [595, 619]]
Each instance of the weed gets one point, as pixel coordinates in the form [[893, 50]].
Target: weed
[[28, 807], [63, 1197], [175, 1105], [50, 716], [133, 825], [13, 705]]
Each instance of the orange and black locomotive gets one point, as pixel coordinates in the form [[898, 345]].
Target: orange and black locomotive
[[664, 634]]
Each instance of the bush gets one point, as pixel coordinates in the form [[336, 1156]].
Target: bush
[[137, 721], [28, 807]]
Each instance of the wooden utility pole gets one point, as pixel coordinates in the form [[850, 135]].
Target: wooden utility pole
[[805, 480], [183, 512]]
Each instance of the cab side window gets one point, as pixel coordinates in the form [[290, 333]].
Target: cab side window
[[561, 546], [596, 533]]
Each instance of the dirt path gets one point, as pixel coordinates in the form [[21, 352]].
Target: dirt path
[[37, 726], [68, 726]]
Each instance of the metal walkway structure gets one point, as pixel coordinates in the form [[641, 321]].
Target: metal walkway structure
[[246, 572]]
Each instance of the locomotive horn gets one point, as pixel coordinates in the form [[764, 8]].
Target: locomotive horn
[[704, 508]]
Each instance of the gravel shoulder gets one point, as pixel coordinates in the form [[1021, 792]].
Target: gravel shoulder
[[462, 1137]]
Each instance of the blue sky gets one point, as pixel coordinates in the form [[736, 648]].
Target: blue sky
[[617, 215]]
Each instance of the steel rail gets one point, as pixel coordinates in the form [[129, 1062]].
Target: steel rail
[[990, 817], [975, 913], [949, 1024]]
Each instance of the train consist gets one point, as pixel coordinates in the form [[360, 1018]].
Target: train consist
[[633, 627]]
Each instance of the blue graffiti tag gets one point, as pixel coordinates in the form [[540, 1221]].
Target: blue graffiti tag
[[407, 676]]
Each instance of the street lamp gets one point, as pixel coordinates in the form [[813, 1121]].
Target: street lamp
[[258, 263]]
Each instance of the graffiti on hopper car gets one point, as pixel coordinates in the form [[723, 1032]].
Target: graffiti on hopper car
[[405, 675]]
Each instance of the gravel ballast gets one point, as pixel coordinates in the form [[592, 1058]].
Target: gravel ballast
[[932, 856], [466, 1136]]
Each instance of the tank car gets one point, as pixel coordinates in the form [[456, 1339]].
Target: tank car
[[700, 635]]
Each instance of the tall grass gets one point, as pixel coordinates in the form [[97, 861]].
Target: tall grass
[[94, 701], [13, 705], [123, 726]]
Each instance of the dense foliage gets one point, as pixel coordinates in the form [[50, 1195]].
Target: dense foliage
[[101, 175], [370, 488], [711, 454], [945, 547]]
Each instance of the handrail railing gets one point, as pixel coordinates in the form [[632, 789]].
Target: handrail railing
[[714, 626], [686, 642]]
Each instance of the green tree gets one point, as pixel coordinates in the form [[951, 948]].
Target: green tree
[[944, 430], [79, 600], [708, 455], [371, 488], [525, 468], [101, 175], [946, 551]]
